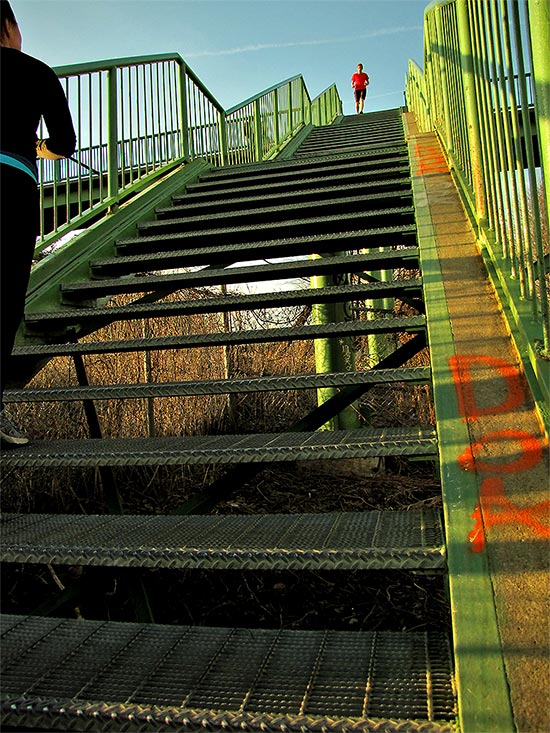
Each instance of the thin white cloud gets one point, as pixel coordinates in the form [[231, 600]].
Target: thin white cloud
[[294, 44]]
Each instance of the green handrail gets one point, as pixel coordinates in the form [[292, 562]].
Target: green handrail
[[137, 118], [485, 91]]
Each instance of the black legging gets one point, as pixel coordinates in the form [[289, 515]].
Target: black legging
[[19, 226]]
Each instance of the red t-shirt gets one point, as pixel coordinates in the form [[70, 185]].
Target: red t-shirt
[[360, 80]]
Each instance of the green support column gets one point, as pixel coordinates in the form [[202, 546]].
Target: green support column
[[383, 344], [468, 78], [332, 355]]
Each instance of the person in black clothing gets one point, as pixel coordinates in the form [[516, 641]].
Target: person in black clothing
[[29, 91]]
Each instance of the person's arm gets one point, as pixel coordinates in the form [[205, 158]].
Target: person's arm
[[61, 140]]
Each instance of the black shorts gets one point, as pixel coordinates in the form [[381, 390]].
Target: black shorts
[[360, 94]]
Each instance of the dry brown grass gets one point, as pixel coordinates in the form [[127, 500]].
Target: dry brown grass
[[159, 489]]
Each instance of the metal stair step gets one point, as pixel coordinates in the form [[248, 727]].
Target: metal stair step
[[313, 148], [310, 191], [342, 132], [337, 151], [346, 132], [100, 316], [411, 324], [282, 222], [319, 162], [366, 138], [313, 167], [267, 210], [410, 375], [212, 678], [224, 449], [358, 176], [320, 243], [378, 540], [407, 257]]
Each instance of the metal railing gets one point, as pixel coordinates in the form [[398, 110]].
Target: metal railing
[[136, 118], [484, 90]]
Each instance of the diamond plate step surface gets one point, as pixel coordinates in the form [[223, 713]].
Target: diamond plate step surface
[[96, 675], [285, 226], [309, 191], [412, 375], [223, 449], [360, 238], [273, 172], [363, 139], [399, 258], [269, 211], [335, 294], [355, 174], [389, 540], [293, 333]]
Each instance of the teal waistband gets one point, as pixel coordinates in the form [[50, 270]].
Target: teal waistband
[[22, 165]]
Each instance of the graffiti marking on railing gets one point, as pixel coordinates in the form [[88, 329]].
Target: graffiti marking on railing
[[494, 508]]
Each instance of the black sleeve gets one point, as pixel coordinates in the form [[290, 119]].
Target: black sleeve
[[57, 116]]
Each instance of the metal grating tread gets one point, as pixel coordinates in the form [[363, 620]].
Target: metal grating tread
[[304, 244], [411, 375], [332, 219], [321, 163], [115, 676], [337, 293], [365, 141], [357, 176], [313, 190], [342, 132], [224, 449], [269, 211], [266, 175], [407, 257], [378, 540], [292, 333]]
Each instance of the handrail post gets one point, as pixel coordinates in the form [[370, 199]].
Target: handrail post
[[112, 137], [276, 131], [258, 130], [442, 63], [539, 24], [184, 119], [222, 133], [474, 137], [290, 106], [303, 104]]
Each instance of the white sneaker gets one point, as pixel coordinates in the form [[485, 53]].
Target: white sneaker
[[9, 432]]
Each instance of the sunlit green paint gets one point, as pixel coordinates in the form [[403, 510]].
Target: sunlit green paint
[[483, 698], [480, 50]]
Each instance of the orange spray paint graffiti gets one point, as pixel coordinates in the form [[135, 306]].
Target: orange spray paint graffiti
[[494, 507]]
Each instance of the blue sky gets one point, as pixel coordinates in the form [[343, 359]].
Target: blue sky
[[239, 47]]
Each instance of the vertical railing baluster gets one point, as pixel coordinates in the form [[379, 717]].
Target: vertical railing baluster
[[112, 139]]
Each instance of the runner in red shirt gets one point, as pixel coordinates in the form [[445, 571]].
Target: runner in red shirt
[[359, 83]]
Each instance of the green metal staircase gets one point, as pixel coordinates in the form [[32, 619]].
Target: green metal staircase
[[345, 194]]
